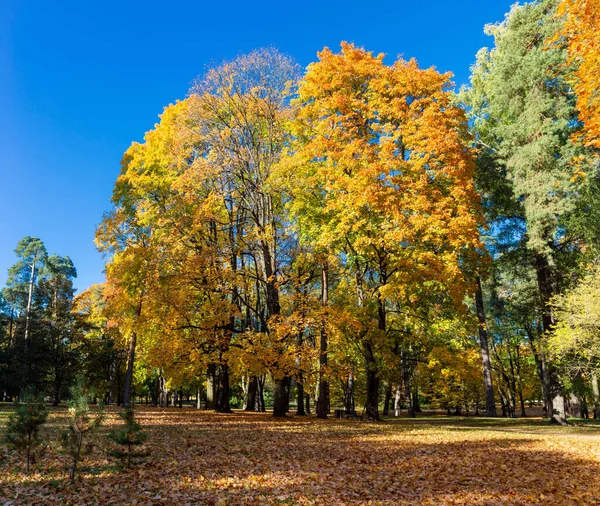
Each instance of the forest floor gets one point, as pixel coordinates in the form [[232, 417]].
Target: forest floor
[[199, 457]]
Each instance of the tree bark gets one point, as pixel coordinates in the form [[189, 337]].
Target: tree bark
[[398, 400], [250, 397], [556, 399], [279, 398], [490, 402], [596, 394], [300, 411], [372, 402], [406, 379], [222, 399], [386, 402], [211, 387], [323, 398], [575, 408], [349, 405], [131, 359]]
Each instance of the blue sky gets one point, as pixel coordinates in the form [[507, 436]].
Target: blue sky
[[80, 80]]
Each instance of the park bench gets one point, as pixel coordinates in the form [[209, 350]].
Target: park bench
[[343, 413]]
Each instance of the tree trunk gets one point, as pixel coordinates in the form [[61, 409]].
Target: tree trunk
[[222, 399], [372, 403], [349, 405], [415, 400], [129, 373], [596, 394], [300, 411], [490, 402], [575, 406], [260, 398], [250, 397], [398, 400], [279, 398], [556, 399], [131, 359], [211, 387], [25, 372], [323, 397], [386, 402], [307, 404], [56, 397], [406, 379]]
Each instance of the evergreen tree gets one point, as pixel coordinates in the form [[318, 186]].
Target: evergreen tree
[[23, 428], [128, 436], [81, 424], [524, 116]]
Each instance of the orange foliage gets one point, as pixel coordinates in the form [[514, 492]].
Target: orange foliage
[[582, 29]]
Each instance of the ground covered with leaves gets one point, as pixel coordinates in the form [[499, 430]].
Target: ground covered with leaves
[[206, 458]]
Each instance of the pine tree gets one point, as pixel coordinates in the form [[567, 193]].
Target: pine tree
[[81, 424], [128, 436], [23, 428]]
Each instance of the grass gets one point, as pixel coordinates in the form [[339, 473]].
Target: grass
[[206, 458]]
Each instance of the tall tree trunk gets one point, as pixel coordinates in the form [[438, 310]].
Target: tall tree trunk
[[288, 385], [540, 364], [575, 408], [398, 400], [279, 398], [490, 402], [596, 394], [372, 402], [349, 405], [556, 399], [211, 387], [251, 391], [25, 372], [222, 399], [406, 379], [260, 398], [323, 398], [56, 397], [131, 359], [415, 399], [129, 373], [307, 398], [386, 402], [300, 411]]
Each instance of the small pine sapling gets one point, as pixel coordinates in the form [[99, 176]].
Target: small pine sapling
[[128, 436], [23, 428], [81, 424]]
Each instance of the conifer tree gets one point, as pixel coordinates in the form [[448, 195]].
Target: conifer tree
[[81, 424], [128, 436], [23, 428]]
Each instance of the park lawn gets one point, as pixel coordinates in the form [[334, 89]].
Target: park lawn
[[206, 458]]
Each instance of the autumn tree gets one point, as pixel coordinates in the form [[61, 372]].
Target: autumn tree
[[240, 109], [381, 175], [582, 31]]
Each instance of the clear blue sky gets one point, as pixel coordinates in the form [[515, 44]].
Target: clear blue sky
[[80, 80]]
